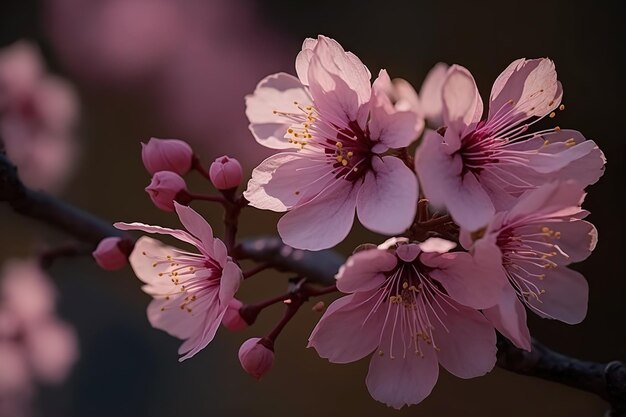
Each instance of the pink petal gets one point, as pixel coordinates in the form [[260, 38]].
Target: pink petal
[[467, 343], [509, 318], [220, 253], [229, 283], [462, 105], [526, 88], [474, 281], [408, 252], [430, 94], [578, 238], [26, 290], [388, 197], [364, 271], [286, 179], [277, 92], [342, 334], [322, 222], [438, 245], [303, 59], [565, 297], [402, 380], [547, 200], [178, 234], [195, 224]]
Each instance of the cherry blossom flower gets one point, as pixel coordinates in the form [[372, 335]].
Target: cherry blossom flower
[[413, 305], [38, 112], [191, 291], [35, 345], [335, 130], [536, 239], [476, 167]]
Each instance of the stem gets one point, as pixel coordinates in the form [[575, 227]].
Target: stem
[[197, 165], [290, 312], [213, 198], [256, 270], [69, 250]]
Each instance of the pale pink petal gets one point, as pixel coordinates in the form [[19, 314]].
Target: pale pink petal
[[548, 199], [468, 202], [364, 271], [53, 349], [438, 245], [404, 379], [286, 179], [408, 252], [462, 105], [220, 253], [322, 222], [526, 88], [473, 280], [577, 238], [178, 234], [303, 59], [277, 92], [565, 296], [509, 318], [405, 96], [212, 323], [388, 197], [343, 335], [195, 224], [142, 260], [467, 343], [229, 283], [15, 377], [430, 94], [395, 129]]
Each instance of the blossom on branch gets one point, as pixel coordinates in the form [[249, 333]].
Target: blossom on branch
[[335, 131], [413, 305], [536, 239], [191, 290], [476, 167]]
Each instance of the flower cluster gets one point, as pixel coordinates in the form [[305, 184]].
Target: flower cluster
[[485, 219]]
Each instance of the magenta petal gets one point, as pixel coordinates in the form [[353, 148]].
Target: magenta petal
[[277, 92], [402, 380], [467, 343], [509, 318], [387, 200], [342, 334], [548, 199], [462, 105], [323, 222], [565, 297], [364, 270]]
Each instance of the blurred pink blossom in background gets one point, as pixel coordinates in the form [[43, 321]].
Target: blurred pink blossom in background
[[38, 113], [35, 345], [194, 59]]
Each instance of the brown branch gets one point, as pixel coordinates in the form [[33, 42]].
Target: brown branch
[[607, 380]]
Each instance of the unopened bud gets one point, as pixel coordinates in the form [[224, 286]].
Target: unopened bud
[[256, 356], [111, 253], [226, 173], [232, 318], [167, 155], [165, 187]]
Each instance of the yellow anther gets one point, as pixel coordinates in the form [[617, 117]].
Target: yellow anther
[[557, 129], [546, 142], [339, 145], [552, 115], [167, 297], [557, 235], [381, 353], [413, 288], [350, 154], [545, 229], [570, 142], [297, 192], [344, 162], [144, 253], [339, 158], [160, 274], [154, 265], [289, 130], [562, 107], [162, 308], [405, 285]]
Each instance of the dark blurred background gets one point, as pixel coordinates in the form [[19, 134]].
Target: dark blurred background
[[180, 68]]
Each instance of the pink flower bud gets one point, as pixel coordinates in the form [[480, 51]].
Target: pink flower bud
[[167, 155], [110, 254], [256, 356], [226, 173], [164, 189], [232, 319]]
